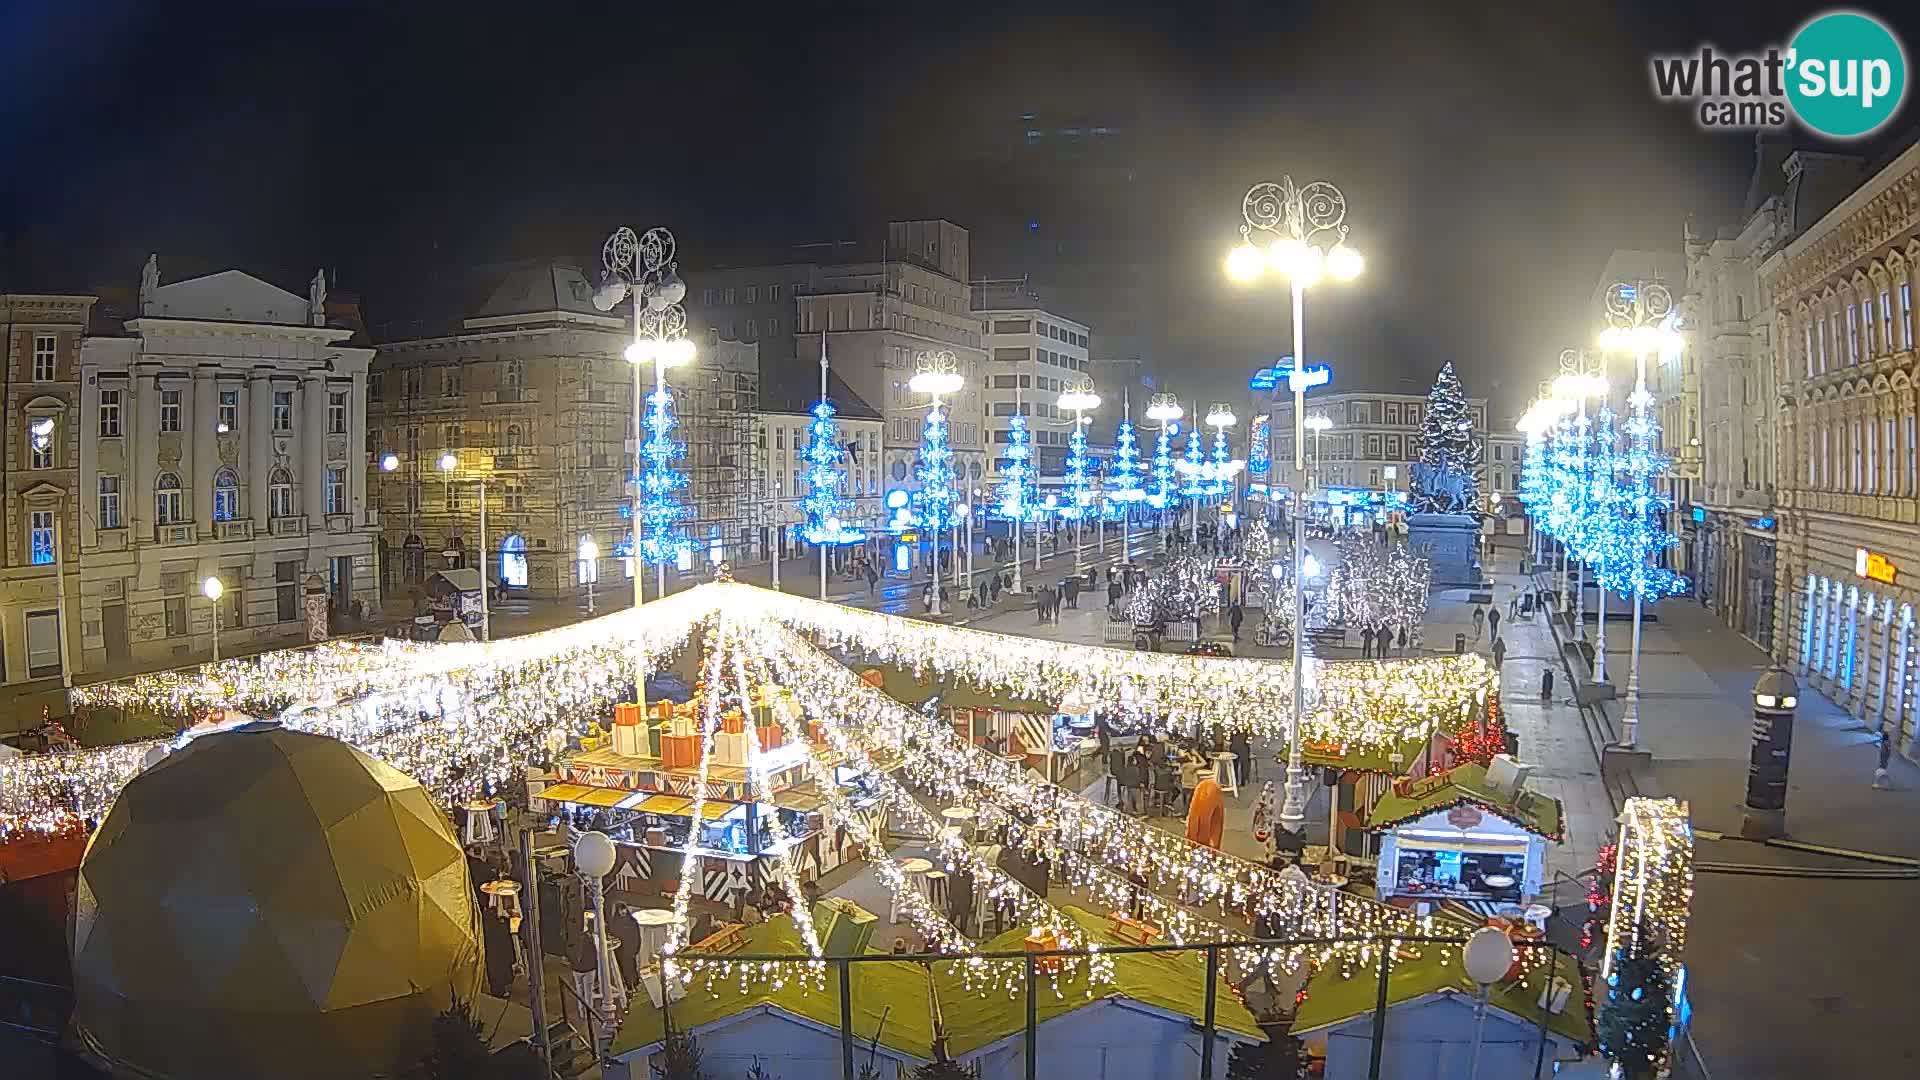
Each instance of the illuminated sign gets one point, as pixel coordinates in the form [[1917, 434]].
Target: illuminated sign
[[1699, 513], [1257, 458], [1306, 378], [1265, 378], [1763, 523], [902, 558], [1874, 566]]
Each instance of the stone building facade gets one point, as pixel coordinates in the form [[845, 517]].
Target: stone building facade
[[1848, 478], [220, 433]]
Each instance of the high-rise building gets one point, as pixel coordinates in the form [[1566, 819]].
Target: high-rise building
[[221, 431], [1032, 355]]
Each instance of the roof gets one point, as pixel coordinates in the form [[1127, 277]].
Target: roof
[[1170, 982], [1467, 785], [793, 391], [907, 688], [1370, 758], [549, 285], [465, 580], [1334, 998]]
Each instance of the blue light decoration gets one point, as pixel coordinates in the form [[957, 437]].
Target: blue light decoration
[[1161, 494], [1534, 491], [1221, 466], [825, 471], [1264, 379], [661, 510], [1124, 471], [1259, 457], [1017, 494], [1601, 525], [1193, 466], [1642, 535], [1076, 476], [934, 502], [1303, 378]]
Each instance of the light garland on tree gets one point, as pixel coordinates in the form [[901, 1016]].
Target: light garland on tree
[[661, 510], [691, 868], [1652, 896], [1374, 587], [1642, 536], [824, 507], [1162, 491], [1124, 471], [1076, 474], [934, 502], [1017, 492], [1193, 467]]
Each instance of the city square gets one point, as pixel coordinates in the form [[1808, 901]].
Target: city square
[[1217, 586]]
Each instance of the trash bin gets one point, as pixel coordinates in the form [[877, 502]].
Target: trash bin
[[1459, 644]]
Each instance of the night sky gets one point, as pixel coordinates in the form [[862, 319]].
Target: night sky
[[1491, 155]]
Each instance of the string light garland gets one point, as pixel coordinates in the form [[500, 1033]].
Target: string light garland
[[661, 510], [934, 470], [1652, 895], [1124, 470], [1161, 493], [825, 509], [1017, 492], [690, 866], [1077, 464], [1374, 586]]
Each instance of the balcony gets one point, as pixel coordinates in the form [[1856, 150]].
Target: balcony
[[291, 525], [339, 524], [174, 534], [510, 396], [236, 529], [506, 461], [370, 517], [111, 539]]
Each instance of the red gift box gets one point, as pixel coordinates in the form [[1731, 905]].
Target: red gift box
[[626, 714], [770, 736], [819, 732], [680, 751], [733, 723]]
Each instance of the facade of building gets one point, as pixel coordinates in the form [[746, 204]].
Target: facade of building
[[782, 437], [40, 340], [534, 399], [1848, 474], [877, 316], [1373, 433], [1032, 355], [220, 432]]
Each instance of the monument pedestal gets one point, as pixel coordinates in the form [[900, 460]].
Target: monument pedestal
[[1449, 543]]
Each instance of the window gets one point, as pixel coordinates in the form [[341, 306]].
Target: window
[[1890, 478], [1853, 477], [730, 294], [513, 438], [1497, 449], [43, 357], [230, 410], [1889, 338], [169, 410], [449, 382], [1873, 458], [413, 443], [753, 295], [286, 591], [40, 536], [1820, 335], [336, 490], [513, 497], [176, 609], [753, 329], [279, 494], [1853, 335], [109, 414], [516, 373], [337, 413], [1913, 458], [109, 502], [226, 496], [1809, 333], [40, 442], [1906, 313], [706, 297], [283, 409], [168, 507], [773, 294]]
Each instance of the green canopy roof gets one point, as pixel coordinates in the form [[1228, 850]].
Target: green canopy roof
[[1334, 998], [1467, 785], [1373, 759], [1170, 981], [903, 686]]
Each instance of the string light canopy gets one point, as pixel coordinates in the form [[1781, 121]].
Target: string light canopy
[[1652, 897]]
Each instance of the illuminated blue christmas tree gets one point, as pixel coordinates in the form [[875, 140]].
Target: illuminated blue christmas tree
[[825, 473], [934, 502], [1076, 476], [1534, 491], [1017, 495], [1193, 467], [661, 510], [1124, 471], [1221, 466], [1641, 534], [1162, 492]]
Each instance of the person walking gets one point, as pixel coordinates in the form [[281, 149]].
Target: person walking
[[1113, 594], [1235, 616], [1242, 750], [1366, 643], [993, 589], [873, 580], [1402, 643], [1493, 621], [1499, 652], [1479, 621]]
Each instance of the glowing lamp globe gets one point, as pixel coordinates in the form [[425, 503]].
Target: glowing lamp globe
[[1245, 263], [1344, 263], [935, 383], [389, 462], [677, 352], [266, 902], [593, 854], [448, 462], [1488, 955]]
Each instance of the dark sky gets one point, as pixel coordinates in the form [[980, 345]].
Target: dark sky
[[1492, 155]]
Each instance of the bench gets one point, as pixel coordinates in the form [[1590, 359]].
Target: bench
[[1133, 931], [1328, 635], [729, 938]]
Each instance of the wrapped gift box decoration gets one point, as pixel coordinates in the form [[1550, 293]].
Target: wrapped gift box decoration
[[680, 751], [770, 735], [654, 731], [628, 741], [730, 748], [733, 723], [680, 725]]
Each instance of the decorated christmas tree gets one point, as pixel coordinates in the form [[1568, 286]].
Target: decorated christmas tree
[[1635, 1015], [1124, 471], [1446, 480], [1603, 527], [1642, 534], [825, 472], [661, 510], [1076, 477], [1016, 476], [935, 499], [1161, 492], [1193, 468]]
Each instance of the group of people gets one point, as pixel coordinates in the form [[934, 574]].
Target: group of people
[[1166, 769], [1381, 641], [1488, 618]]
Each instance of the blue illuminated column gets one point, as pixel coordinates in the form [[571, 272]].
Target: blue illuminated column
[[1078, 400], [937, 374], [1016, 485], [1125, 473]]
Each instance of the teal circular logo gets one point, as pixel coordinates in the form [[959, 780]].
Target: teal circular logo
[[1847, 74]]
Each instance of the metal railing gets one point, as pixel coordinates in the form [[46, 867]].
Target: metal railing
[[1036, 964]]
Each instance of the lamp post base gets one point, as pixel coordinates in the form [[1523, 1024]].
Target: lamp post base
[[1293, 805]]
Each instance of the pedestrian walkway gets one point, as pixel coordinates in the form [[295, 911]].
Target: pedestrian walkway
[[1788, 976]]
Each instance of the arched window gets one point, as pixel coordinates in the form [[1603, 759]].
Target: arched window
[[516, 374], [279, 494], [513, 438], [169, 507], [226, 496]]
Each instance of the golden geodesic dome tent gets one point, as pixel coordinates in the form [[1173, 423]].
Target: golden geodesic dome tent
[[264, 902]]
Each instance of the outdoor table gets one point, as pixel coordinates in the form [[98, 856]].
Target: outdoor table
[[1223, 772], [655, 924], [914, 870], [962, 817], [503, 896]]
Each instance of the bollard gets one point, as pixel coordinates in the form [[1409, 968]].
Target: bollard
[[1775, 697], [1459, 644]]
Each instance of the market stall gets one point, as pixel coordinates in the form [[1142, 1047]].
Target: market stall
[[1473, 833], [1057, 743]]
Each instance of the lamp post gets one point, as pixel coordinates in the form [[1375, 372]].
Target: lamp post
[[1297, 220], [593, 857], [1640, 317], [1488, 955], [212, 590], [644, 267], [1165, 410], [449, 463], [937, 374], [589, 567], [1079, 400]]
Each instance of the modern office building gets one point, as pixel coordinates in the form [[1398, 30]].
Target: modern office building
[[1032, 355]]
